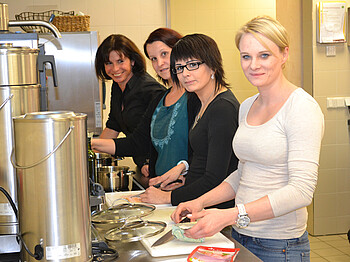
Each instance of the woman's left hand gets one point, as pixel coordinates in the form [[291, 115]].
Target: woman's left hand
[[154, 195], [210, 222]]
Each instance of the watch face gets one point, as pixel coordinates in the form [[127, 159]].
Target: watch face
[[243, 221]]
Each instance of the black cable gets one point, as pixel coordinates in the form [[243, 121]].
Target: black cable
[[101, 252], [9, 198]]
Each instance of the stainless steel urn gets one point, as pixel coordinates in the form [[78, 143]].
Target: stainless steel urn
[[19, 94], [51, 161]]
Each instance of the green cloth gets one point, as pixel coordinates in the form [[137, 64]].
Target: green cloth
[[179, 230]]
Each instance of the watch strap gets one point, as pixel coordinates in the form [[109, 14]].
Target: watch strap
[[241, 209]]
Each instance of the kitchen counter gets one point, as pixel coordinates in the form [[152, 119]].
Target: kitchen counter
[[135, 252]]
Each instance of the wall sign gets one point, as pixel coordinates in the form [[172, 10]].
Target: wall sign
[[331, 22]]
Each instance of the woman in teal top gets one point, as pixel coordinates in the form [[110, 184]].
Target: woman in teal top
[[169, 134]]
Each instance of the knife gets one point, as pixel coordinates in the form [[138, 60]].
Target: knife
[[169, 235], [172, 182]]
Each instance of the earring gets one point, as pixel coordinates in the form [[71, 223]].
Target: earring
[[212, 76]]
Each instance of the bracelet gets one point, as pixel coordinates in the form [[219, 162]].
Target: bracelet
[[186, 166]]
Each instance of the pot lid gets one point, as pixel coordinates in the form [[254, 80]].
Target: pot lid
[[50, 115], [9, 48], [122, 212], [135, 231]]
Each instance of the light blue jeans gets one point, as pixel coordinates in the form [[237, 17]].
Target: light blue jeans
[[273, 250]]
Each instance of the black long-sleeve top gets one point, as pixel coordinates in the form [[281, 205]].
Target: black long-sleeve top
[[211, 142], [128, 107], [139, 142]]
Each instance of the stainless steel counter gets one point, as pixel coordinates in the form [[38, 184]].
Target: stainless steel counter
[[136, 252]]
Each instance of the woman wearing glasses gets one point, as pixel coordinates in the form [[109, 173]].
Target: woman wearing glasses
[[163, 130], [197, 65]]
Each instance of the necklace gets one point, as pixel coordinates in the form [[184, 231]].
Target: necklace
[[204, 107]]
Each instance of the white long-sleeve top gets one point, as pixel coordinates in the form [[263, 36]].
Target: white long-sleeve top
[[279, 159]]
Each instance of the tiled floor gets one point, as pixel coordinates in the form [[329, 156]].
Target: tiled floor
[[334, 248]]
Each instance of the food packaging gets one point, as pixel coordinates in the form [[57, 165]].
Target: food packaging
[[211, 254]]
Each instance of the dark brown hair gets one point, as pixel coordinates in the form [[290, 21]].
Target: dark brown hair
[[122, 45], [203, 48], [167, 36]]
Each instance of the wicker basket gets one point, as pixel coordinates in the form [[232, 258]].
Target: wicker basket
[[72, 23], [43, 16]]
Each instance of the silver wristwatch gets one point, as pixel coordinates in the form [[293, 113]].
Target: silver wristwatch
[[243, 219]]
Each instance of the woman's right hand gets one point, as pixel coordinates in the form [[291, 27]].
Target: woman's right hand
[[185, 208], [168, 177], [103, 145]]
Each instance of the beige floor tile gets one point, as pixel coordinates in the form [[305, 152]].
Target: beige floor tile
[[327, 252], [345, 236], [345, 250], [313, 254], [330, 238], [318, 245], [343, 258], [318, 259], [338, 243]]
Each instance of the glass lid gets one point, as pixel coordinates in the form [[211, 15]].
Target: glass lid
[[135, 231], [122, 212]]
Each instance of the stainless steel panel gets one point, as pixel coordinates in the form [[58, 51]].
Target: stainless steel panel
[[78, 87]]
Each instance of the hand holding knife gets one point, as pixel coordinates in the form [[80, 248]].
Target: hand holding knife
[[169, 235]]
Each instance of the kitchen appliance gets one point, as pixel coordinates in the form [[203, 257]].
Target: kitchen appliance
[[78, 87], [53, 198], [19, 94]]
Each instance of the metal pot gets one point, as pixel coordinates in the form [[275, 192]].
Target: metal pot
[[114, 178], [18, 65], [104, 159]]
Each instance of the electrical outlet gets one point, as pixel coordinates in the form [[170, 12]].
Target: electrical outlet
[[330, 50]]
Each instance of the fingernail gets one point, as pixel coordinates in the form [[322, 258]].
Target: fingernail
[[189, 215]]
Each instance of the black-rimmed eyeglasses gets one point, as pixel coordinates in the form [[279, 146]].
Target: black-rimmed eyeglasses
[[190, 65]]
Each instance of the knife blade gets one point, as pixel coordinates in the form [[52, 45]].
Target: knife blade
[[169, 235]]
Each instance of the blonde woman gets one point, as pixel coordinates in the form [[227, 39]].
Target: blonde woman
[[278, 144]]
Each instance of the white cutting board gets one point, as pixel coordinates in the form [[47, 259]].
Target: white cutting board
[[176, 247]]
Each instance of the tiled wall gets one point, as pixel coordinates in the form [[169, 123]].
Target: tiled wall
[[331, 78], [220, 20]]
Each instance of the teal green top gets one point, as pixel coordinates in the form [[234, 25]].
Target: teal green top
[[169, 134]]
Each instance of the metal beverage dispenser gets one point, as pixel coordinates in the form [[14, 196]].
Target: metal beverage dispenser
[[19, 94], [53, 197]]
